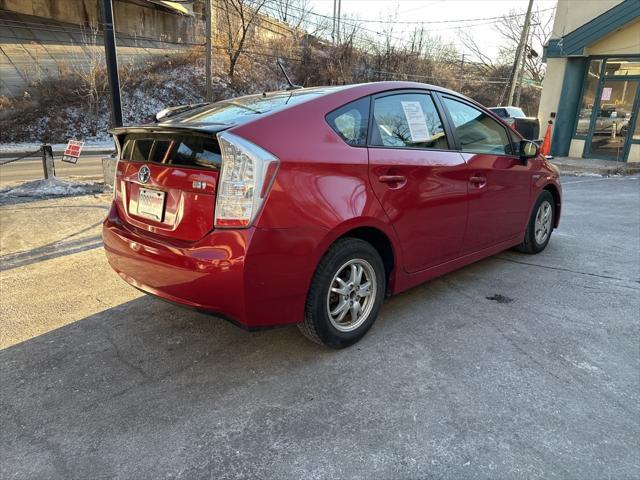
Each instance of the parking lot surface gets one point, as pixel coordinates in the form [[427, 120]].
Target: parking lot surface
[[515, 367]]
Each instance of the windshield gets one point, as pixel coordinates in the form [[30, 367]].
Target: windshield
[[516, 112], [501, 112], [240, 109]]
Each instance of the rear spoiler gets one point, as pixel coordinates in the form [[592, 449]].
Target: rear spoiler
[[205, 129]]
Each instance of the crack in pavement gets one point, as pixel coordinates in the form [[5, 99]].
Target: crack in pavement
[[608, 277], [120, 357]]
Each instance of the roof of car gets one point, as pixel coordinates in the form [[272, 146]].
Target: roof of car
[[212, 117]]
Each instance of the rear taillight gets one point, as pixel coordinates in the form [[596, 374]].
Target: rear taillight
[[247, 174]]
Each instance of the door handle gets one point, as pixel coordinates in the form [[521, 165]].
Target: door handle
[[478, 180], [392, 178]]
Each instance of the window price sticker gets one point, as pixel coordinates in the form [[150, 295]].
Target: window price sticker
[[417, 122]]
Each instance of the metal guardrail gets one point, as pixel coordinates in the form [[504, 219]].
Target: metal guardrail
[[48, 166], [26, 155]]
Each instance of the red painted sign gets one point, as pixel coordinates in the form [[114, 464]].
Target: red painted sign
[[72, 152]]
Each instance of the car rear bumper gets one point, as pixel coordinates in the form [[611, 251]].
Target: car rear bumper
[[254, 277]]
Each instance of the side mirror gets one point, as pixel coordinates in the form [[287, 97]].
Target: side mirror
[[528, 149]]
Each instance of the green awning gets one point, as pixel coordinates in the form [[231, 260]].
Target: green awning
[[574, 43]]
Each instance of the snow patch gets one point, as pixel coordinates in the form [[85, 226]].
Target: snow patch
[[52, 187], [587, 366], [588, 174]]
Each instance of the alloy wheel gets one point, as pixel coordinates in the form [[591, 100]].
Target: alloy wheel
[[351, 295], [543, 222]]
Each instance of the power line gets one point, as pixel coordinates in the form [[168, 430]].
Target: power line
[[460, 20], [356, 23], [425, 5]]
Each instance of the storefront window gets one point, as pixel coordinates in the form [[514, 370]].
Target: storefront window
[[636, 132], [622, 66], [612, 124], [588, 97]]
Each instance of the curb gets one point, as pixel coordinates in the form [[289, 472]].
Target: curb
[[604, 172]]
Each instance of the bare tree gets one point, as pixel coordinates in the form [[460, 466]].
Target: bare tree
[[510, 28], [90, 69], [239, 17], [293, 12], [483, 61]]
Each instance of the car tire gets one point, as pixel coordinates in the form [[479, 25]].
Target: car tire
[[351, 271], [540, 225]]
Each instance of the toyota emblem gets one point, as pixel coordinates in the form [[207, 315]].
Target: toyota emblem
[[144, 174]]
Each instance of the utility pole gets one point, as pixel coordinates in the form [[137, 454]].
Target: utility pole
[[461, 75], [338, 22], [522, 65], [112, 62], [333, 28], [207, 53], [519, 53]]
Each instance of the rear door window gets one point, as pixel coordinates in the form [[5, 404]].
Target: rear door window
[[407, 120]]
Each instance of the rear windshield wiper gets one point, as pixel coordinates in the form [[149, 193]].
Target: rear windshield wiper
[[239, 105], [172, 111]]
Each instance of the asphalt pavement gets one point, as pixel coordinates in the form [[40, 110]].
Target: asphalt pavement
[[89, 166], [517, 366]]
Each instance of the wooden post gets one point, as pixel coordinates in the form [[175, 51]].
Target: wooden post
[[48, 168]]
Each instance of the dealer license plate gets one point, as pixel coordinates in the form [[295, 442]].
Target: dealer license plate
[[151, 204]]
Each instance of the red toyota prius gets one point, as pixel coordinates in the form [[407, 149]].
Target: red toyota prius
[[311, 206]]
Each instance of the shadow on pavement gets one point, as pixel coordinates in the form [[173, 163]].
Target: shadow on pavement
[[449, 381], [71, 396], [47, 252], [72, 243]]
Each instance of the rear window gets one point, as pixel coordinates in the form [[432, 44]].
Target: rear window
[[183, 150], [245, 108]]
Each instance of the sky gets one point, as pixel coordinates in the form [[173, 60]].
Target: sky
[[440, 11]]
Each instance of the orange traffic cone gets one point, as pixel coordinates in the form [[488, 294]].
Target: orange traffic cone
[[545, 149]]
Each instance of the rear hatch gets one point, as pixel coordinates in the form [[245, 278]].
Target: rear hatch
[[166, 180], [167, 174]]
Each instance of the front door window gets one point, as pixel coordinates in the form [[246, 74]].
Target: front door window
[[477, 131]]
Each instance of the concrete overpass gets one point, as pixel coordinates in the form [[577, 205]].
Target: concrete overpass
[[38, 38]]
